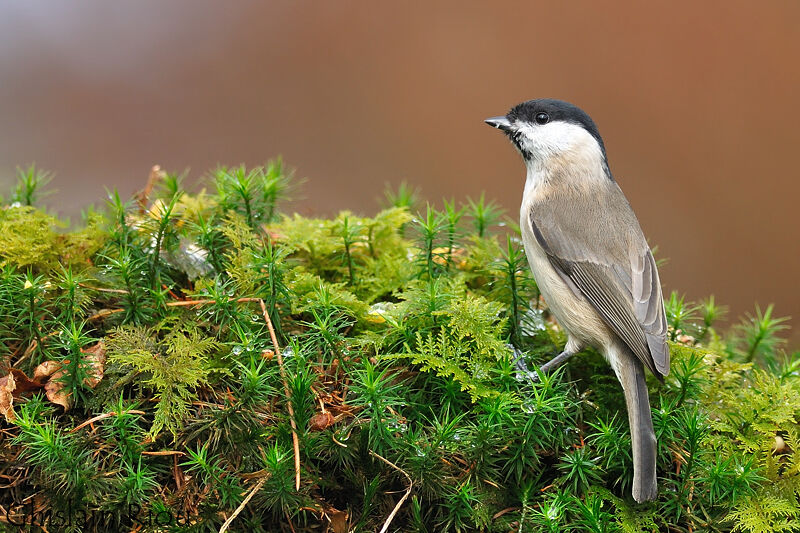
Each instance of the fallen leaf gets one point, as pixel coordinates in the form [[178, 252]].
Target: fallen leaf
[[24, 383], [96, 357], [54, 389], [45, 370], [7, 386], [13, 385], [339, 521], [52, 371]]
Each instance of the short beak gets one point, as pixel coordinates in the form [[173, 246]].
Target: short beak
[[501, 123]]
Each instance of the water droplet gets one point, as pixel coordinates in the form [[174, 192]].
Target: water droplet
[[533, 322]]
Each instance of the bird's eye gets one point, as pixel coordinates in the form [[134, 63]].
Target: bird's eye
[[542, 118]]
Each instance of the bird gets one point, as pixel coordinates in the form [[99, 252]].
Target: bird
[[590, 260]]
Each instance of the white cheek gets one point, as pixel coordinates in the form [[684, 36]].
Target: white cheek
[[563, 152], [558, 138]]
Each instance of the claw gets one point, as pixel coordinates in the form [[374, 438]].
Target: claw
[[523, 372]]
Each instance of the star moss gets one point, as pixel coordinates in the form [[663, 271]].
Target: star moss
[[390, 381]]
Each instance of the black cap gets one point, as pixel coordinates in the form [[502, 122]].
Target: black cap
[[558, 110]]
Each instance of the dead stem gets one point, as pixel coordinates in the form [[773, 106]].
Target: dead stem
[[295, 439], [102, 417], [238, 510], [389, 518]]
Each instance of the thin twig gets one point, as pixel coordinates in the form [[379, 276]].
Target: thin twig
[[32, 347], [164, 452], [389, 518], [143, 197], [183, 303], [28, 351], [238, 510], [295, 439], [101, 417], [289, 520], [180, 303], [104, 313], [103, 289]]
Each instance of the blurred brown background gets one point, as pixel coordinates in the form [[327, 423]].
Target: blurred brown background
[[697, 103]]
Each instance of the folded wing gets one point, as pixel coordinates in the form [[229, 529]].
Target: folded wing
[[609, 262]]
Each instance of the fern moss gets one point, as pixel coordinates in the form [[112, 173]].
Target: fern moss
[[391, 375]]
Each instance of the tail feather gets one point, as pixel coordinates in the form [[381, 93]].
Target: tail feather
[[630, 373]]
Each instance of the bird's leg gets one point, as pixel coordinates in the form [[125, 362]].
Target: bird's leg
[[556, 361], [552, 364]]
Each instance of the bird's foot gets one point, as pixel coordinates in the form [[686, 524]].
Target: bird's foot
[[523, 372]]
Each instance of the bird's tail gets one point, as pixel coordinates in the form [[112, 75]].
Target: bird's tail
[[630, 373]]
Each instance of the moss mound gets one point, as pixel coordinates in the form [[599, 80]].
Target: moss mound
[[191, 362]]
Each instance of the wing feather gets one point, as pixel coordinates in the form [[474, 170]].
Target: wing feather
[[611, 265]]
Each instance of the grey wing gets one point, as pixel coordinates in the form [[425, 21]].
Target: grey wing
[[611, 265], [649, 309]]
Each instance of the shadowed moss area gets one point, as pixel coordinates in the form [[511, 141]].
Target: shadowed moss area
[[191, 362]]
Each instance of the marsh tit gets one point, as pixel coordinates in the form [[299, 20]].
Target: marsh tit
[[590, 259]]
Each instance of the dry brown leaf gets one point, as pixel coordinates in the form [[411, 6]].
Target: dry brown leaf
[[7, 386], [14, 385], [339, 521], [50, 372], [24, 383], [53, 370], [45, 370], [96, 356], [54, 389]]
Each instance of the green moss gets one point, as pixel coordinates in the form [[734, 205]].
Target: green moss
[[28, 237], [394, 332]]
